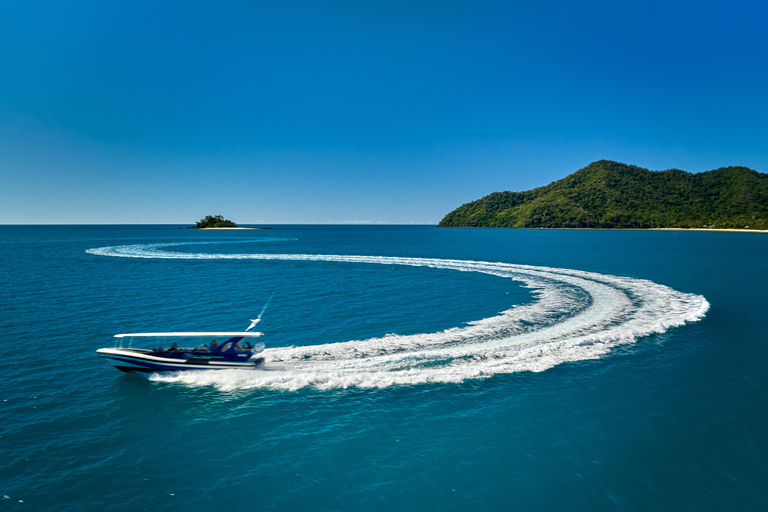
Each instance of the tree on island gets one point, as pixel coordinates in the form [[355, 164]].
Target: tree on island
[[214, 221]]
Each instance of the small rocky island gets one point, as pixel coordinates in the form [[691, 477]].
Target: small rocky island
[[213, 221]]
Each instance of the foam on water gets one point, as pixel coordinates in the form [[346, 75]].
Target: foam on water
[[576, 316]]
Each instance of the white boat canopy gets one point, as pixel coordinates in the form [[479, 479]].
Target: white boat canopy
[[198, 334]]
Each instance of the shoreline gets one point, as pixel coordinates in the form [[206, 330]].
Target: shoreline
[[726, 230], [201, 229]]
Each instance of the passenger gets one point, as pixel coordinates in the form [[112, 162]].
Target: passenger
[[213, 344], [175, 346]]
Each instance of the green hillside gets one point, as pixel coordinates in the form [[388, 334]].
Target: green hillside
[[608, 194]]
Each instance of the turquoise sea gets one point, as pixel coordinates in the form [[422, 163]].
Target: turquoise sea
[[408, 368]]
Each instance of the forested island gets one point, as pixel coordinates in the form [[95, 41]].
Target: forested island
[[608, 194], [213, 221]]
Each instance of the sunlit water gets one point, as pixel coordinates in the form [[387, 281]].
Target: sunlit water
[[408, 368]]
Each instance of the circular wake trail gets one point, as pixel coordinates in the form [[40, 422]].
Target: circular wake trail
[[575, 316]]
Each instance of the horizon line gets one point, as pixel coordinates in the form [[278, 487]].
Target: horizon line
[[332, 223]]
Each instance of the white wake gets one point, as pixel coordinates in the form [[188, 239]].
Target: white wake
[[576, 316]]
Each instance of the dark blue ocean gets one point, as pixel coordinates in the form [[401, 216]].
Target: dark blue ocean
[[408, 368]]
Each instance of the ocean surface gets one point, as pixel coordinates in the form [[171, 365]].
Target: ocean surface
[[408, 368]]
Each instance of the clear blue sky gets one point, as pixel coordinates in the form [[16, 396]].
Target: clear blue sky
[[394, 111]]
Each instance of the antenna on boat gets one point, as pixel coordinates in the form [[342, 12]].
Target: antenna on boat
[[256, 320]]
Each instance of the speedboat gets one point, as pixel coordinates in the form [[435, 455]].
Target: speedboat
[[232, 353]]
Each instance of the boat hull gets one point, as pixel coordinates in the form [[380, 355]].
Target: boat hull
[[146, 361]]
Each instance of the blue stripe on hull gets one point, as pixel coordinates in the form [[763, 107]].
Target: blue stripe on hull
[[125, 362], [145, 364]]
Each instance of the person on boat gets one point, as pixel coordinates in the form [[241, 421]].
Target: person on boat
[[175, 346], [213, 344], [202, 346]]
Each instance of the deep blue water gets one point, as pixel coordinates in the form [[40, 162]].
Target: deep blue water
[[382, 391]]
